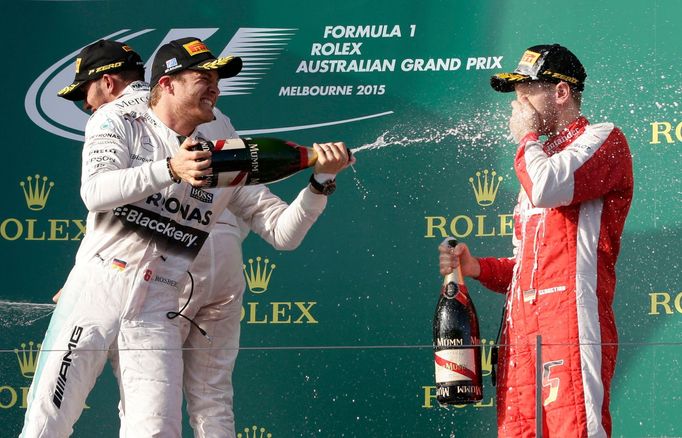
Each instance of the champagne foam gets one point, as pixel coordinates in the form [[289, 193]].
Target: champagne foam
[[486, 127], [13, 314]]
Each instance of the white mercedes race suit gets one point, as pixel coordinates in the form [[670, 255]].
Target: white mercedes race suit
[[144, 231], [216, 292]]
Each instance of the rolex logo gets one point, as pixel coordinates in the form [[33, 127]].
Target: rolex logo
[[254, 432], [258, 276], [28, 358], [486, 356], [485, 188], [36, 191]]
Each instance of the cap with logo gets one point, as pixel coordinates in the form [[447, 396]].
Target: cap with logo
[[191, 54], [550, 63], [98, 59]]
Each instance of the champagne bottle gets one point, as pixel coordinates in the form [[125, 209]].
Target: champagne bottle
[[456, 343], [247, 161]]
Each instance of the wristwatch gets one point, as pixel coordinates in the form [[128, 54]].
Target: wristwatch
[[326, 188]]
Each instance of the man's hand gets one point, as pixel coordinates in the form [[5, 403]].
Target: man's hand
[[332, 158], [450, 258], [524, 119], [190, 165]]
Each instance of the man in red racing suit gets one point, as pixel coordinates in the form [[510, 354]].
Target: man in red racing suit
[[576, 189]]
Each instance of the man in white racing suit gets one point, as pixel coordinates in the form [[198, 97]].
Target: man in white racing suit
[[132, 263], [218, 283]]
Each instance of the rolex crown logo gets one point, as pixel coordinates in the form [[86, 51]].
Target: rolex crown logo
[[258, 276], [36, 191], [485, 188], [28, 359], [254, 432], [486, 356]]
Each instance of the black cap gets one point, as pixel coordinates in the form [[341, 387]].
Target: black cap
[[98, 59], [550, 63], [191, 54]]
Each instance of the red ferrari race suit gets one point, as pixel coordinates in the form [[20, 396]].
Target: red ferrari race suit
[[576, 192]]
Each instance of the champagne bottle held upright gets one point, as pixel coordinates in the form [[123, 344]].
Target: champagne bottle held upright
[[248, 161], [456, 343]]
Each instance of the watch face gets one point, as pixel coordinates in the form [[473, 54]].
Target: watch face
[[328, 187]]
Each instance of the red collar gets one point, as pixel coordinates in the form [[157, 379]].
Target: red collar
[[558, 142]]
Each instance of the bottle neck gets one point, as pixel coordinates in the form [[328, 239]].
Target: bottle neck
[[455, 276]]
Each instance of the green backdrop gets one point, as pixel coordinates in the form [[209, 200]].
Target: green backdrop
[[339, 342]]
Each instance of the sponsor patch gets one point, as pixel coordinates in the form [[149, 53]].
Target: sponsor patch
[[164, 280], [147, 143], [195, 47], [551, 290], [173, 62], [60, 386], [127, 48], [139, 86], [140, 158], [201, 195], [180, 236], [106, 124], [105, 67], [561, 77], [149, 119], [529, 295], [529, 58], [511, 76], [78, 64]]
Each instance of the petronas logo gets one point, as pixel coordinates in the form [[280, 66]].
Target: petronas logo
[[258, 274], [36, 191], [485, 188]]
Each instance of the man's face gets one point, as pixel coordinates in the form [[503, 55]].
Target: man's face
[[94, 95], [542, 95], [197, 93]]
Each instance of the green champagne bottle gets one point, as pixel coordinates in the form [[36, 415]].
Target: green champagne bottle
[[248, 161]]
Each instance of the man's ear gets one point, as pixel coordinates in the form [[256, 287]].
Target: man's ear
[[166, 83], [109, 83], [562, 92]]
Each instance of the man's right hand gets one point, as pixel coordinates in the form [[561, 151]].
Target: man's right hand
[[450, 258], [524, 119], [190, 165]]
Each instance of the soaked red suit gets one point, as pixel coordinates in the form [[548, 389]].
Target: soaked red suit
[[576, 192]]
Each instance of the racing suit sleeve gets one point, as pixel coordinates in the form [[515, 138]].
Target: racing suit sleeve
[[280, 224], [588, 168], [496, 274], [107, 180]]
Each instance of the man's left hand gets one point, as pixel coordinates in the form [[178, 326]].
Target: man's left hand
[[332, 158], [524, 119]]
